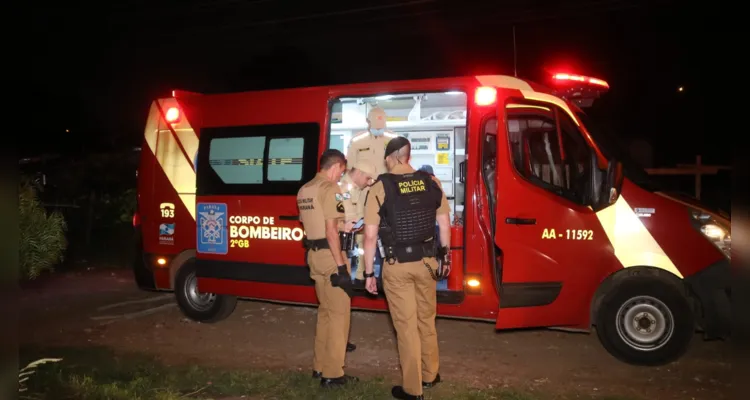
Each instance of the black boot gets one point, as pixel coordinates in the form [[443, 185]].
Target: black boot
[[350, 347], [399, 393], [428, 385], [337, 382], [317, 374]]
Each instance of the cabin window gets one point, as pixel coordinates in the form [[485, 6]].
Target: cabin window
[[257, 160], [285, 159], [238, 160]]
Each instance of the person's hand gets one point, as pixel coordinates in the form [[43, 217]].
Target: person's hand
[[444, 260], [446, 270], [371, 284]]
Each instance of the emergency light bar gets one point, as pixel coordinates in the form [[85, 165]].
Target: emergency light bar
[[579, 89], [580, 78]]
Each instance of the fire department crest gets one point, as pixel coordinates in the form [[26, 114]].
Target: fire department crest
[[212, 228]]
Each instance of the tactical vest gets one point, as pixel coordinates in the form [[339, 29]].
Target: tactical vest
[[407, 226]]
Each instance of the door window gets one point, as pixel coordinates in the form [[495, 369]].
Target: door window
[[489, 165], [549, 151]]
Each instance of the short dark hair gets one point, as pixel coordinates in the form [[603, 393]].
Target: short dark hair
[[397, 144], [331, 157]]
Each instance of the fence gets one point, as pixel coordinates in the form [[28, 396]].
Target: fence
[[698, 170]]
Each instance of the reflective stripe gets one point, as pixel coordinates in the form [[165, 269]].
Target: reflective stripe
[[166, 149], [531, 95], [633, 244], [503, 81]]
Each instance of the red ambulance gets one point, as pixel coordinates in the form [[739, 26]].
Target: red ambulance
[[550, 228]]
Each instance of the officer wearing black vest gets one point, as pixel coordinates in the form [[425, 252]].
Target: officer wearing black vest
[[401, 208]]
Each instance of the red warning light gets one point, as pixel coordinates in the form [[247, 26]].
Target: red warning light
[[579, 89], [580, 78], [173, 115], [485, 95]]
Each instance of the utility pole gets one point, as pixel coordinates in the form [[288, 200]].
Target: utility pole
[[515, 57]]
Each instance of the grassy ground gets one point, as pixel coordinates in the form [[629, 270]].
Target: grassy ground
[[97, 373]]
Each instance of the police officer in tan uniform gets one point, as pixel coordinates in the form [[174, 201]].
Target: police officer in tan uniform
[[354, 187], [370, 145], [401, 207], [321, 212]]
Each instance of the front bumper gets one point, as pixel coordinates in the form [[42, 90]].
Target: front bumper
[[712, 288]]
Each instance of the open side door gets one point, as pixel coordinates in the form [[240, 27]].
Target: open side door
[[550, 238]]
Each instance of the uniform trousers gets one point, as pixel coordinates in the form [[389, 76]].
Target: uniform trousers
[[412, 298], [334, 313]]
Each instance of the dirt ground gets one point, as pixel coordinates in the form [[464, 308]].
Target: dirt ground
[[81, 309]]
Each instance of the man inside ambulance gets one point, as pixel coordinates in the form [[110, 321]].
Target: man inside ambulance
[[369, 146], [354, 185]]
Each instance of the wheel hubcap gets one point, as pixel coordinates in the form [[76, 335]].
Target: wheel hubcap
[[645, 323], [199, 301]]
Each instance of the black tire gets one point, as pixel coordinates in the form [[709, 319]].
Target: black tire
[[217, 309], [645, 300]]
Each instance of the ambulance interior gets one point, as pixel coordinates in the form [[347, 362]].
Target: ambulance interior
[[434, 123]]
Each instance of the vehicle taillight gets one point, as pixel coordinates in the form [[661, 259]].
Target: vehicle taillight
[[173, 115], [485, 95]]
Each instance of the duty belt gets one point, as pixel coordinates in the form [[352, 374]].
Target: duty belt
[[410, 252], [317, 244], [346, 241]]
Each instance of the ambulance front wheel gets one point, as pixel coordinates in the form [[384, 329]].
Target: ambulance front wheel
[[645, 322], [201, 307]]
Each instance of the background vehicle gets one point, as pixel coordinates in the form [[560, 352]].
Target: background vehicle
[[549, 229]]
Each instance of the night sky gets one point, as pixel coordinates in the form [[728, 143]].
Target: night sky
[[98, 68]]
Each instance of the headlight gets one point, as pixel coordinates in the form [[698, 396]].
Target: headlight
[[714, 231]]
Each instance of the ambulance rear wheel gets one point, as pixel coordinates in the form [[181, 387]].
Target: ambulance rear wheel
[[198, 306], [645, 322]]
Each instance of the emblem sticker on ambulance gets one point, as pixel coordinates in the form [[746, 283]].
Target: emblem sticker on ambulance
[[166, 234], [212, 228]]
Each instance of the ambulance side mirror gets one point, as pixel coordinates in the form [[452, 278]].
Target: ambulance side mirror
[[615, 176], [608, 190]]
